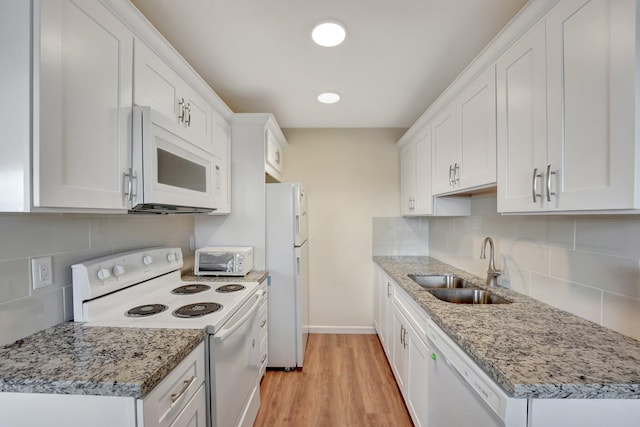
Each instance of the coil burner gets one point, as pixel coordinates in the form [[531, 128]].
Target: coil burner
[[190, 289], [233, 287], [146, 310], [197, 310]]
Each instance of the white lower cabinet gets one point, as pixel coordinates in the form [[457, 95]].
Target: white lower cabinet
[[401, 330], [179, 400]]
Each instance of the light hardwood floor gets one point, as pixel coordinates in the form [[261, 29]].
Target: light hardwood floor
[[346, 381]]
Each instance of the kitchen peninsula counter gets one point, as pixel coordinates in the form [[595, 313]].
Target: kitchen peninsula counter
[[72, 358], [532, 350]]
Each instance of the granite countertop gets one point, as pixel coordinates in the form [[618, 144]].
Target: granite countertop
[[253, 276], [531, 349], [72, 358]]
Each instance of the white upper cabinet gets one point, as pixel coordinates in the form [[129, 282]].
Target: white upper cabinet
[[444, 149], [83, 62], [476, 113], [222, 175], [274, 155], [567, 102], [464, 138], [522, 125], [592, 105], [164, 90], [415, 178]]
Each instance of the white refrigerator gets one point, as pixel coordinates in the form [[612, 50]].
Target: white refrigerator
[[288, 290]]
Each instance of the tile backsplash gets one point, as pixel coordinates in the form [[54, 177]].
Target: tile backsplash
[[400, 236], [587, 265], [68, 239]]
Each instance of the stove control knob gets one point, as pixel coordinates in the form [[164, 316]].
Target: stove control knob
[[147, 260], [117, 270], [172, 257], [104, 274]]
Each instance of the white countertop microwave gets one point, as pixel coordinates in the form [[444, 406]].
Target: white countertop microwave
[[224, 261]]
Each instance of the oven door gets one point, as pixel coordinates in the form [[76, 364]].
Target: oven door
[[167, 169], [235, 351]]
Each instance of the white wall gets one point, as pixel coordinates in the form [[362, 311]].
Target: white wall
[[587, 265], [68, 239], [350, 176]]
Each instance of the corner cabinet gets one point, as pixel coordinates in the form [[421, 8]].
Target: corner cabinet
[[567, 111], [82, 76], [401, 328], [415, 178]]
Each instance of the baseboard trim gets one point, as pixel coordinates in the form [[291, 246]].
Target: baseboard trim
[[342, 330]]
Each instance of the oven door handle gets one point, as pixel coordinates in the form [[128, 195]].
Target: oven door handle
[[224, 333]]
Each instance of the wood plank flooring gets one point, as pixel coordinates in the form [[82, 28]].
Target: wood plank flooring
[[346, 381]]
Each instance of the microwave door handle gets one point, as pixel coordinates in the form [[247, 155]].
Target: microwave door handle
[[224, 334]]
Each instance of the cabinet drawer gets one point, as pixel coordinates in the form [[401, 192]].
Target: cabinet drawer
[[195, 413], [415, 315], [162, 406]]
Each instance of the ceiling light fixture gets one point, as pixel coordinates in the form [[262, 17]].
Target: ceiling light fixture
[[329, 97], [328, 33]]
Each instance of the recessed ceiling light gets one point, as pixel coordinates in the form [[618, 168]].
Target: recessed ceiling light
[[328, 33], [329, 97]]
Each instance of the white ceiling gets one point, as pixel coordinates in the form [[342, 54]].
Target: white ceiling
[[397, 59]]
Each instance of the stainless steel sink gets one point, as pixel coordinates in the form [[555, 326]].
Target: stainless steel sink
[[468, 296], [429, 281]]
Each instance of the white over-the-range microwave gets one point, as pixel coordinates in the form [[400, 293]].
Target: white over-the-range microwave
[[224, 261], [169, 174]]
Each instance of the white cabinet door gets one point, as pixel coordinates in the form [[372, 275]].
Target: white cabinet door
[[418, 355], [423, 204], [386, 294], [399, 348], [415, 176], [407, 179], [444, 151], [181, 109], [222, 175], [274, 155], [82, 92], [521, 118], [591, 50], [476, 112]]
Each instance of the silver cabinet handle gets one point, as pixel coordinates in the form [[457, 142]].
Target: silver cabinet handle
[[185, 386], [388, 289], [278, 156], [549, 173], [263, 359], [404, 338], [264, 322], [450, 175], [456, 177], [187, 120], [402, 335], [129, 178], [534, 185], [181, 110]]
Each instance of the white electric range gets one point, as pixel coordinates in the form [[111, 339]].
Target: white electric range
[[143, 289]]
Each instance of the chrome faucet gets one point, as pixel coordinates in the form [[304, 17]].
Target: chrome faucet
[[492, 272]]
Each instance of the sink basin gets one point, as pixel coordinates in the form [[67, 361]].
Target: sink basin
[[468, 296], [430, 281]]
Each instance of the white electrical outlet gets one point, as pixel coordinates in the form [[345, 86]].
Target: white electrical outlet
[[41, 272]]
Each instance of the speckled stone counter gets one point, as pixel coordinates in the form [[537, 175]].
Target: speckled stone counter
[[71, 358], [530, 348], [253, 276]]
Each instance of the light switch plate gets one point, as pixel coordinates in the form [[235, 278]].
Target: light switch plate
[[41, 272]]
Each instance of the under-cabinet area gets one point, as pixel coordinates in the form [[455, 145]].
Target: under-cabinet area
[[513, 363]]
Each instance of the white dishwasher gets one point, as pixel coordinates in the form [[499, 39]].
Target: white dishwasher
[[461, 394]]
